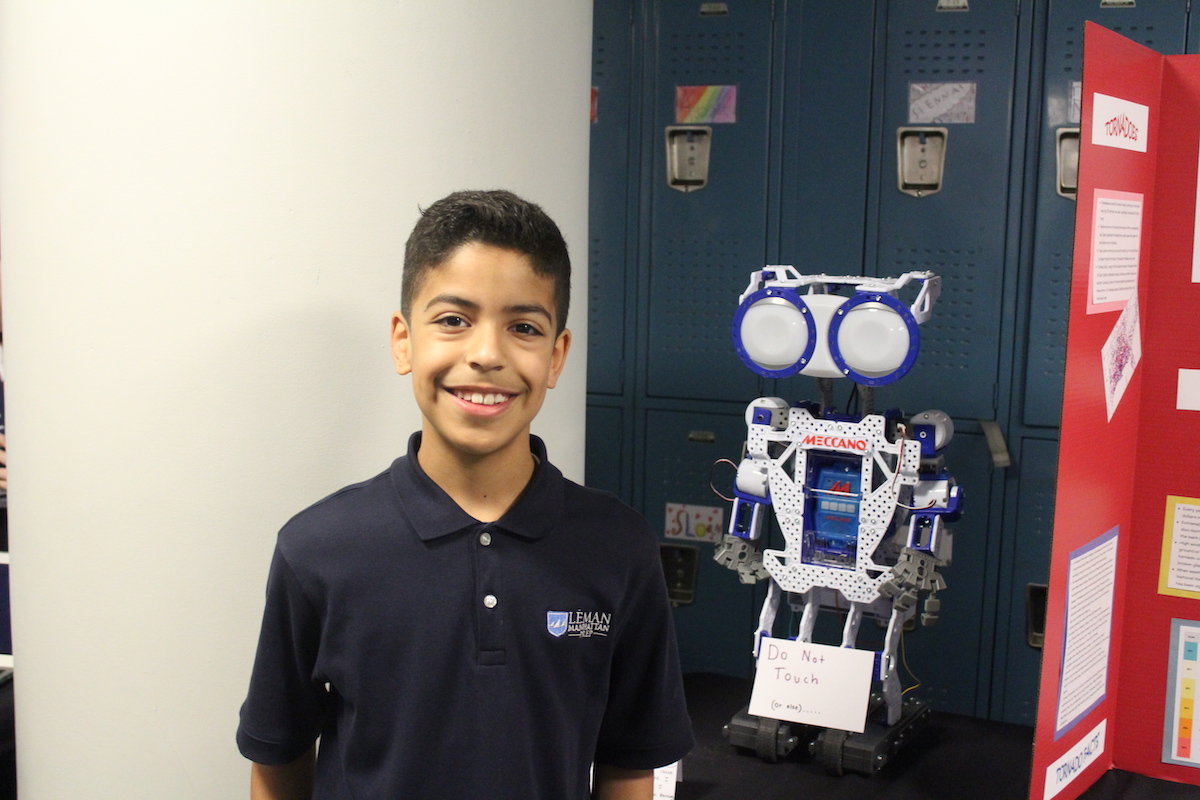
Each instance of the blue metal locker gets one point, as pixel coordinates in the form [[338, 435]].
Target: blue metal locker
[[609, 242], [612, 247], [954, 71], [716, 631], [704, 243], [605, 461], [1026, 569], [826, 147]]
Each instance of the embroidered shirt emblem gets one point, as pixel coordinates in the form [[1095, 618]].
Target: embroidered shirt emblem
[[580, 624], [556, 622]]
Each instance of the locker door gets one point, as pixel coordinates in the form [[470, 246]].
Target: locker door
[[826, 135], [1018, 661], [1161, 26], [704, 243], [954, 71], [605, 459], [608, 195], [611, 248], [716, 631], [826, 149]]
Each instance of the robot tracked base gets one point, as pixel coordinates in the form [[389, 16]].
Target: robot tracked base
[[838, 752]]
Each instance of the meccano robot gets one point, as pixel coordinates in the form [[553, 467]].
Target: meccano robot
[[862, 500]]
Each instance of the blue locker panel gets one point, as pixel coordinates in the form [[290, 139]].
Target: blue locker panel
[[959, 232], [1162, 26], [826, 135], [826, 145], [608, 201], [948, 658], [715, 632], [604, 461], [703, 244], [1019, 664]]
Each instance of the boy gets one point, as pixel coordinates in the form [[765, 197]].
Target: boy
[[468, 624]]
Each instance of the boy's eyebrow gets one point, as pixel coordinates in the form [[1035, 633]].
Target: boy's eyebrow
[[471, 305]]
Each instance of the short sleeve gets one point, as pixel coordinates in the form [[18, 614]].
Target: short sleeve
[[646, 723], [284, 708]]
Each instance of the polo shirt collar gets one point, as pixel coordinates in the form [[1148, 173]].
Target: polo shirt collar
[[433, 514]]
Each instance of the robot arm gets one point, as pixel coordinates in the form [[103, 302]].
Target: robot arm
[[741, 549], [928, 544]]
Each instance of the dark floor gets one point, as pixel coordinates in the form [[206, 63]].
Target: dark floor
[[951, 759]]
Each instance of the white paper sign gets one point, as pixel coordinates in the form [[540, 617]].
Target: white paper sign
[[1187, 393], [1116, 250], [665, 779], [1119, 123], [940, 103], [1074, 761], [815, 684], [696, 523], [1083, 682]]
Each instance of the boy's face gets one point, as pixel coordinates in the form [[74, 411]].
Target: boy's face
[[482, 350]]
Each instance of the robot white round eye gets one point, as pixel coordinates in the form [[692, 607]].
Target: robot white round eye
[[873, 340], [774, 333]]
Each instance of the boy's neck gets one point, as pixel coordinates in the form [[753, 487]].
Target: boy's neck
[[483, 486]]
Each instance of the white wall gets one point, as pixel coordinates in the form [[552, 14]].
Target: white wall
[[204, 207]]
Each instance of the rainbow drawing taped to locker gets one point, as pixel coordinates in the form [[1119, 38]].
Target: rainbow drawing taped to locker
[[862, 500]]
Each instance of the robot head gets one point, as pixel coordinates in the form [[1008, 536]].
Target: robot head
[[870, 337]]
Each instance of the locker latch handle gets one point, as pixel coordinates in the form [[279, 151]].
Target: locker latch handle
[[688, 149], [996, 443], [1068, 162], [921, 160], [1035, 615]]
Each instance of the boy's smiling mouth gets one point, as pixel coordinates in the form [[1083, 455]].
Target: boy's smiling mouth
[[492, 398]]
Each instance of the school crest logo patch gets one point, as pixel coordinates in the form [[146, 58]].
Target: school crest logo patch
[[556, 622], [578, 624]]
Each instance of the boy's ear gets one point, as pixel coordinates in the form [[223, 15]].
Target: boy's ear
[[559, 357], [401, 344]]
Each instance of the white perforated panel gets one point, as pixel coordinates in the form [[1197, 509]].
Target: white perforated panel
[[887, 467]]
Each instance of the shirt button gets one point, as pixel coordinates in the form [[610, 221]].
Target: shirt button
[[490, 601], [485, 538]]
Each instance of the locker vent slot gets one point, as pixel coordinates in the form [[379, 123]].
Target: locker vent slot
[[945, 52], [599, 56], [1048, 351], [601, 282], [1072, 44], [696, 285], [689, 55]]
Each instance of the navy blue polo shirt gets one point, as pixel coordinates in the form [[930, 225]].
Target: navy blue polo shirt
[[440, 657]]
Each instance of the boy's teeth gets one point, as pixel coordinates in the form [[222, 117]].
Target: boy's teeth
[[482, 399]]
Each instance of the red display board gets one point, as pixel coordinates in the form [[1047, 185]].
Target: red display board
[[1121, 665]]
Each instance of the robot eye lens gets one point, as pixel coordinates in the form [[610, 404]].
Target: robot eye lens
[[774, 333], [873, 340]]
